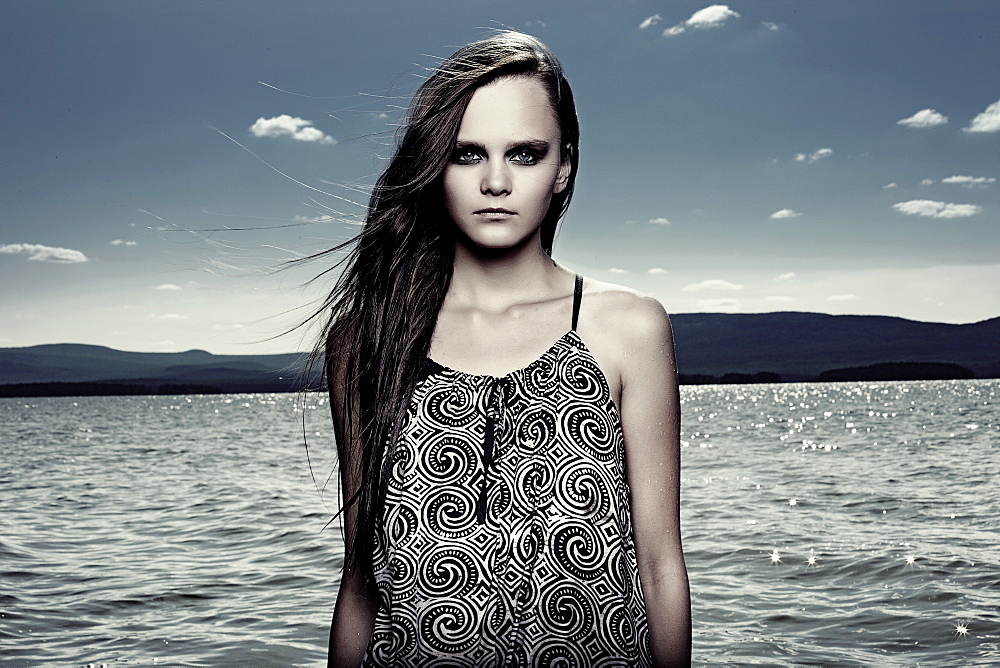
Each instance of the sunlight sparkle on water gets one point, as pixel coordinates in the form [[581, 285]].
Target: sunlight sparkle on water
[[811, 561], [775, 557], [961, 630], [910, 560]]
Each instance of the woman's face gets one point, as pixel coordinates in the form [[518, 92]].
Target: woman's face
[[506, 164]]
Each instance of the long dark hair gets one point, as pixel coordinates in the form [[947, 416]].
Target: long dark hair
[[381, 313]]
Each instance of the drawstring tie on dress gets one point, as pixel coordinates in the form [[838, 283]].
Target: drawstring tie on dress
[[494, 425]]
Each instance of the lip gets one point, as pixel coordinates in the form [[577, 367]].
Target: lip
[[495, 213]]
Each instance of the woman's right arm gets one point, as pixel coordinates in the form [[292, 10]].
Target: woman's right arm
[[354, 614]]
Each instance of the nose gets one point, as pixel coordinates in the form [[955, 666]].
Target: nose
[[496, 178]]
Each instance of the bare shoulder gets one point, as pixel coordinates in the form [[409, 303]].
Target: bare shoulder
[[627, 332], [633, 318]]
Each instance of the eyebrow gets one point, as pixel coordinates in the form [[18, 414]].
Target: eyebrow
[[539, 145]]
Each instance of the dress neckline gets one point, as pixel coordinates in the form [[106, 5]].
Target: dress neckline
[[571, 334]]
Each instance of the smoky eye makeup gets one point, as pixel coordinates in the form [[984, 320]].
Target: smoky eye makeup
[[524, 153], [530, 153], [467, 154]]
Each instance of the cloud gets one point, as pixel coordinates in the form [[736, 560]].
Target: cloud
[[616, 270], [988, 121], [167, 286], [123, 242], [657, 270], [650, 21], [785, 213], [536, 23], [770, 26], [284, 125], [167, 316], [927, 182], [780, 299], [970, 181], [932, 209], [890, 186], [659, 221], [712, 284], [724, 304], [787, 276], [222, 328], [712, 16], [41, 253], [810, 158], [925, 118], [843, 298]]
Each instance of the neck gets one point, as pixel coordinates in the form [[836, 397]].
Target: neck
[[492, 279]]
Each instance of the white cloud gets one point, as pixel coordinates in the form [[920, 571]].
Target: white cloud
[[712, 284], [890, 186], [810, 158], [787, 276], [970, 181], [927, 182], [712, 16], [659, 221], [167, 316], [123, 242], [925, 118], [843, 298], [932, 209], [167, 286], [770, 26], [650, 21], [284, 125], [725, 305], [988, 121], [536, 23], [221, 328], [657, 270], [616, 270], [41, 253], [779, 299], [162, 344], [785, 213]]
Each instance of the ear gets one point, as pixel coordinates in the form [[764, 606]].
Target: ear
[[565, 169]]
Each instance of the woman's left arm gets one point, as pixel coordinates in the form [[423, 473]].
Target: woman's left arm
[[650, 412]]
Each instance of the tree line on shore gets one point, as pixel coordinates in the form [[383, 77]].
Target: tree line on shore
[[891, 371]]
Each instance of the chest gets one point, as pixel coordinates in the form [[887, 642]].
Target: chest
[[495, 344]]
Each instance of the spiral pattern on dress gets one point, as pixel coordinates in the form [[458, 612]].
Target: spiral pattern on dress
[[449, 625], [547, 575]]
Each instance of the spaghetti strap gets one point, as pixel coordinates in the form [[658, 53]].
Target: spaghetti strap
[[577, 295]]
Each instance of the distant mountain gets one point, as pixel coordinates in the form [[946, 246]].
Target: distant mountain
[[80, 363], [796, 346], [800, 346]]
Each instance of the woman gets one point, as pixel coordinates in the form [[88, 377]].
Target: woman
[[508, 500]]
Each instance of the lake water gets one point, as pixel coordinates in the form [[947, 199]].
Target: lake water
[[823, 523]]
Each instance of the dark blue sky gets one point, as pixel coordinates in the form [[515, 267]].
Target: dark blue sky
[[745, 157]]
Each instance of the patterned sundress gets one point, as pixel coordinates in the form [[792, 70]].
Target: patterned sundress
[[506, 538]]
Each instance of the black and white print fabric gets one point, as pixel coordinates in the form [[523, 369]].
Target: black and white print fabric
[[507, 535]]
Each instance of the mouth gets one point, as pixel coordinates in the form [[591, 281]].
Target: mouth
[[495, 213]]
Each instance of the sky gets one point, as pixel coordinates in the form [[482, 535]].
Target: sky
[[164, 160]]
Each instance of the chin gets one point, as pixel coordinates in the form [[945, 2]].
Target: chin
[[498, 242]]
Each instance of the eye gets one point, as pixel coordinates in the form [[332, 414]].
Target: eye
[[525, 156], [466, 156]]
